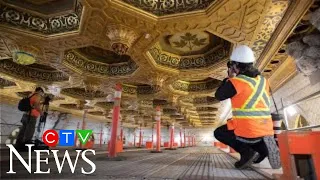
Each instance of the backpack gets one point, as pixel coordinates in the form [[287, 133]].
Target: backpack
[[25, 105]]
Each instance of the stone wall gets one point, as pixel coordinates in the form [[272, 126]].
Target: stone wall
[[298, 89]]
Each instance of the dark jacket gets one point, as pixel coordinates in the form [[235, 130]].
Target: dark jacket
[[227, 90]]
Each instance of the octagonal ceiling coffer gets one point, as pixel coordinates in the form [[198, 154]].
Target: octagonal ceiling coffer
[[99, 62], [189, 50], [32, 73]]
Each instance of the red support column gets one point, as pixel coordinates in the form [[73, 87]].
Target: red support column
[[115, 119], [140, 137], [158, 120], [171, 136], [193, 140], [83, 123], [76, 137], [152, 138], [184, 137], [101, 131], [181, 137], [134, 138]]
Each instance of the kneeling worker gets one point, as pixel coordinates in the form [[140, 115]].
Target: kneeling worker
[[250, 131]]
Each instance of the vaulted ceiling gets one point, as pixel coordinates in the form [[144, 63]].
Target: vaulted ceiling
[[170, 54]]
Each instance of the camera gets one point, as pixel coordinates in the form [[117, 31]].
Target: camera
[[47, 99]]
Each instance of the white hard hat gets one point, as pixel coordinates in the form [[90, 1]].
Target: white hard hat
[[242, 54]]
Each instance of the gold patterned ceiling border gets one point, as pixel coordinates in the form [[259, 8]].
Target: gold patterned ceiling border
[[199, 100], [4, 83], [140, 91], [31, 74], [276, 10], [17, 19], [84, 66], [82, 94], [291, 18], [202, 109], [168, 60], [200, 88], [45, 7], [161, 8]]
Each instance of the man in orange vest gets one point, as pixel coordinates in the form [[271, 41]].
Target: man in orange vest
[[250, 131], [29, 119]]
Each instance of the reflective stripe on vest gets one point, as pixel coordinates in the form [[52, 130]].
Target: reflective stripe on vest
[[248, 109]]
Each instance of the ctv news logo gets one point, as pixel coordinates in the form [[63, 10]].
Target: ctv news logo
[[51, 139]]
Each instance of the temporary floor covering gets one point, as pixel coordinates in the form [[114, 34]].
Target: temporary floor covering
[[184, 163]]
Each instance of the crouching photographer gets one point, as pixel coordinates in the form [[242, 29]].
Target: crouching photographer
[[31, 106]]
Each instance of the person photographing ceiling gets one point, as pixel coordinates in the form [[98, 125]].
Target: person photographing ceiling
[[250, 131]]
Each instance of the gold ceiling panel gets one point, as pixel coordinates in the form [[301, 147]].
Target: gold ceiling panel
[[38, 23], [6, 83], [33, 73], [165, 53]]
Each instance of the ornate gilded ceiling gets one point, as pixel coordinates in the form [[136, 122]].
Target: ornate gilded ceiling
[[166, 7], [43, 24], [164, 53]]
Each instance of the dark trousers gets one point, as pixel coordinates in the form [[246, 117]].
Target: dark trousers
[[229, 138], [27, 130]]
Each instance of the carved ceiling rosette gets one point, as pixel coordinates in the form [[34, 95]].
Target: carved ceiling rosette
[[121, 38]]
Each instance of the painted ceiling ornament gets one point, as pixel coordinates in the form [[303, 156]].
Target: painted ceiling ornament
[[121, 38], [23, 58], [91, 86], [190, 41], [25, 54]]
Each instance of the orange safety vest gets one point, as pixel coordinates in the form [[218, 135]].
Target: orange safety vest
[[251, 107], [34, 112]]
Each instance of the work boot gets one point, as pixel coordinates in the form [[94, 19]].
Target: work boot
[[273, 152], [247, 157], [259, 159]]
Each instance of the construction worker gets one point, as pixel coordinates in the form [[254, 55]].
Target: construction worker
[[29, 120], [250, 131]]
